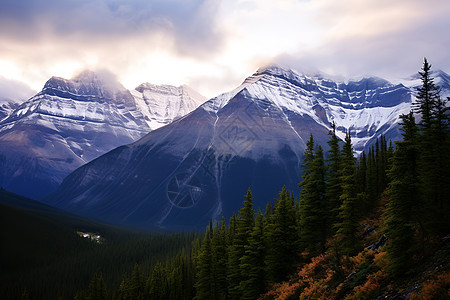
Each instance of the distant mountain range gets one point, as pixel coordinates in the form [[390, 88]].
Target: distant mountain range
[[198, 167], [71, 122]]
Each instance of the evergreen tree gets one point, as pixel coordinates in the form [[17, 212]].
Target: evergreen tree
[[371, 177], [219, 260], [441, 138], [313, 206], [333, 184], [136, 284], [97, 288], [156, 284], [244, 226], [433, 160], [252, 263], [361, 173], [282, 236], [427, 95], [348, 215], [204, 284], [403, 206]]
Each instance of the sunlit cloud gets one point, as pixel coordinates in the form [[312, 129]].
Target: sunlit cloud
[[213, 45]]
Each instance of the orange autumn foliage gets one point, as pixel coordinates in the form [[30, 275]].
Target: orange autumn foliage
[[438, 288]]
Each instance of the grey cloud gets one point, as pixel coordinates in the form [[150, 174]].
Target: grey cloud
[[391, 53], [15, 91], [190, 23]]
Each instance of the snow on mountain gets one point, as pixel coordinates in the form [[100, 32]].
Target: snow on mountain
[[199, 166], [441, 80], [161, 104], [12, 94], [71, 122], [369, 107]]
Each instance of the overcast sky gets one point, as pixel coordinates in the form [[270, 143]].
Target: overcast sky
[[213, 45]]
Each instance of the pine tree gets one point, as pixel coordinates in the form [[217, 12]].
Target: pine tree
[[204, 283], [313, 206], [97, 287], [244, 226], [282, 237], [371, 177], [333, 184], [136, 284], [219, 260], [433, 160], [156, 284], [348, 212], [361, 173], [426, 97], [252, 263], [441, 138], [404, 202]]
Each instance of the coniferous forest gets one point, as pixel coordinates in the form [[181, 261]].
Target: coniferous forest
[[376, 225]]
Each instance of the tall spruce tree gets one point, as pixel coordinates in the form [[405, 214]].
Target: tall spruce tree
[[404, 202], [433, 160], [252, 263], [282, 237], [348, 212], [219, 259], [427, 95], [204, 283], [97, 287], [333, 183], [313, 205], [244, 227]]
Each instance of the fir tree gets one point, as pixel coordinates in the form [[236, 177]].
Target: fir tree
[[282, 237], [348, 212], [371, 177], [333, 184], [427, 95], [404, 199], [244, 226], [156, 284], [97, 287], [136, 283], [219, 260], [313, 206], [433, 160], [252, 263], [204, 284]]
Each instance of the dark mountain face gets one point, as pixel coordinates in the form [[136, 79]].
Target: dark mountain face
[[199, 167]]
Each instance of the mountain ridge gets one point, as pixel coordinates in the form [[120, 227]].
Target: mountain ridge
[[193, 170], [70, 122]]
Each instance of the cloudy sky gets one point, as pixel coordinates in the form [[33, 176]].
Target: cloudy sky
[[213, 45]]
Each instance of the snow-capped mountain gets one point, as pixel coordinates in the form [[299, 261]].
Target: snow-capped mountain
[[7, 107], [161, 104], [71, 122], [200, 166], [441, 80], [12, 94]]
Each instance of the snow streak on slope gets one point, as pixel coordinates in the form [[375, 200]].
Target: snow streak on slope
[[161, 104], [368, 108]]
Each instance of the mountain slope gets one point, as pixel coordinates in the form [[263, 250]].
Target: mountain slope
[[69, 123], [161, 104], [199, 167]]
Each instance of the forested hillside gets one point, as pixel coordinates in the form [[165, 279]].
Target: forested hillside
[[368, 228]]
